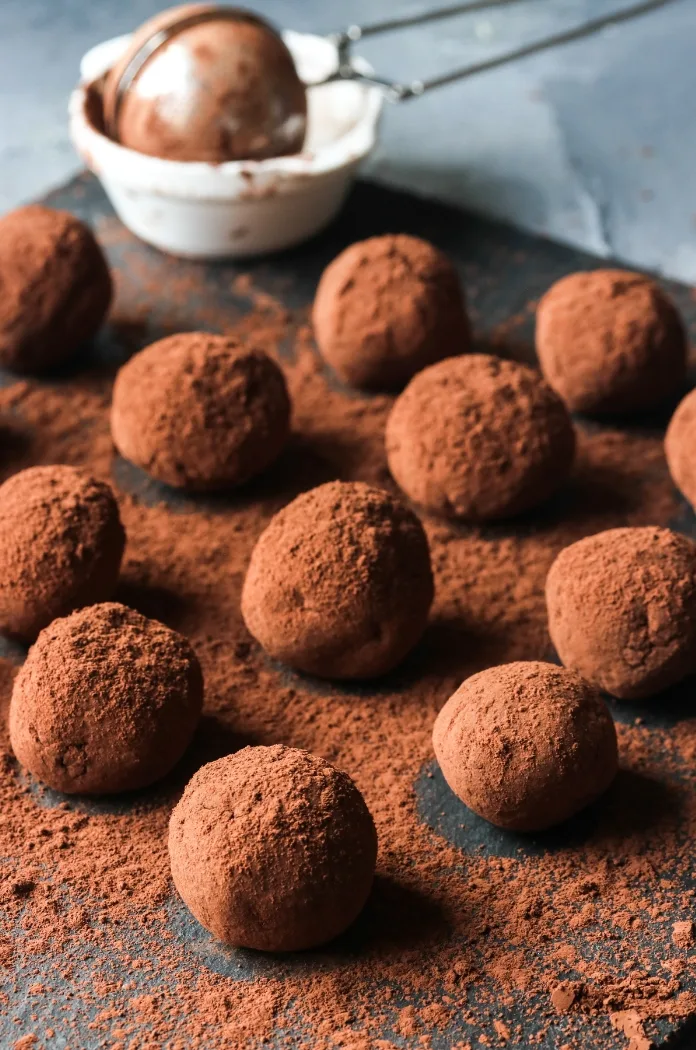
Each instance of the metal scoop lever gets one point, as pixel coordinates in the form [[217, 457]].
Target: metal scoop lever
[[396, 91]]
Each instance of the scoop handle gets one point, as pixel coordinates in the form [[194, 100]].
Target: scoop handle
[[397, 91]]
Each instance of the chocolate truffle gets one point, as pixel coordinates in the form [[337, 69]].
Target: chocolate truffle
[[526, 745], [219, 85], [339, 585], [386, 308], [61, 543], [622, 609], [479, 438], [106, 701], [610, 341], [200, 411], [680, 447], [55, 288], [273, 849]]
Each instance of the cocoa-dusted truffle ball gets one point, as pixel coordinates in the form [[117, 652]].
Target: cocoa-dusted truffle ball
[[55, 287], [273, 849], [526, 745], [106, 701], [680, 447], [610, 341], [622, 609], [386, 308], [61, 543], [479, 438], [200, 411], [339, 585]]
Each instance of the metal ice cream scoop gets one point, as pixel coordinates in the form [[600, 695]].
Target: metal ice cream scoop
[[216, 83]]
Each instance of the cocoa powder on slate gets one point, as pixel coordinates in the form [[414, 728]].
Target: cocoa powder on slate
[[448, 937]]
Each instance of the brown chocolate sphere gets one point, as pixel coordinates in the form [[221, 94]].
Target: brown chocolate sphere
[[526, 745], [622, 609], [200, 411], [61, 543], [680, 447], [339, 585], [218, 84], [55, 288], [387, 307], [479, 438], [273, 849], [106, 701], [610, 341]]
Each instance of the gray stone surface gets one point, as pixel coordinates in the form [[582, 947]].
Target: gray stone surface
[[590, 144]]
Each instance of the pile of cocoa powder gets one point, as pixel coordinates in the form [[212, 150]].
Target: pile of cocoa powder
[[469, 939]]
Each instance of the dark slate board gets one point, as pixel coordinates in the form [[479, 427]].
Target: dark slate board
[[508, 270]]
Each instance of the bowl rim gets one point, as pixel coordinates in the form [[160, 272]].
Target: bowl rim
[[201, 180]]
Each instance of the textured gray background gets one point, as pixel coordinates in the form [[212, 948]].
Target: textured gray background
[[592, 144]]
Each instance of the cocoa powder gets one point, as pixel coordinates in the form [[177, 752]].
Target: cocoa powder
[[563, 946]]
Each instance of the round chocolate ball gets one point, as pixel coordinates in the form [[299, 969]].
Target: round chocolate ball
[[200, 412], [680, 446], [479, 438], [219, 84], [106, 701], [387, 307], [55, 288], [622, 609], [61, 543], [610, 341], [339, 584], [526, 745], [272, 848]]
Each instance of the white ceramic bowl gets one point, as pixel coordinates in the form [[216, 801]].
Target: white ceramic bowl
[[239, 208]]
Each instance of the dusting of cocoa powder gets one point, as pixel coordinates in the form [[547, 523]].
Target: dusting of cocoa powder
[[568, 946]]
